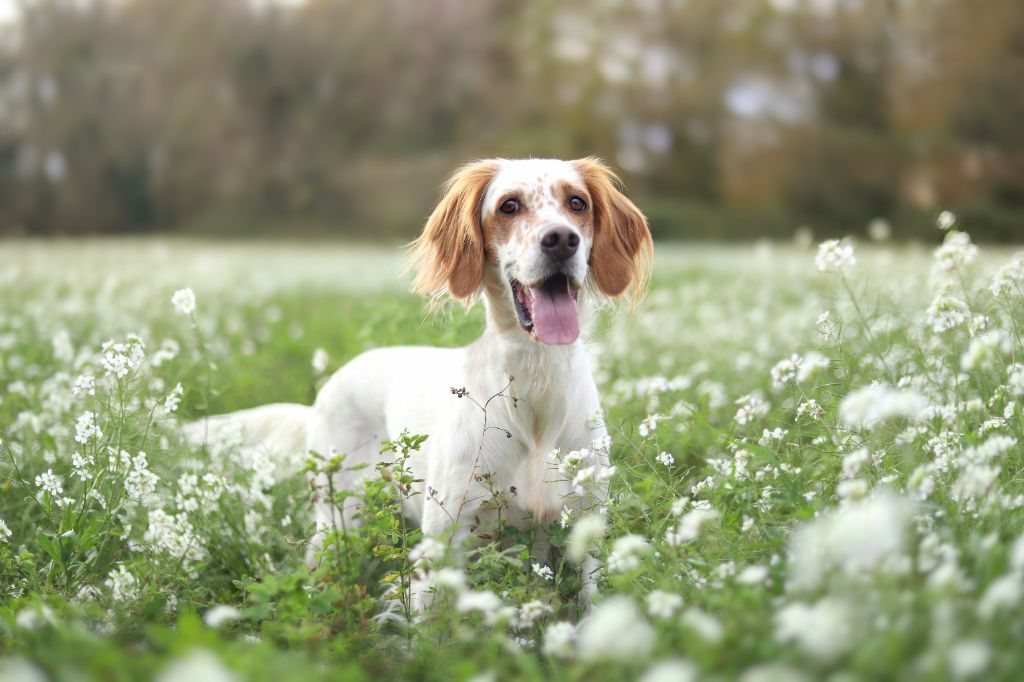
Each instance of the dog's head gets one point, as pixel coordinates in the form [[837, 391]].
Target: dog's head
[[533, 235]]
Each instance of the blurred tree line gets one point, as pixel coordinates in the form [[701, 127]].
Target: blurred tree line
[[727, 119]]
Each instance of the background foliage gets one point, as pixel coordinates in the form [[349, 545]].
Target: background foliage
[[728, 119]]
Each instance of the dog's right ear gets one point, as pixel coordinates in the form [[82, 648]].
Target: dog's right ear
[[621, 255], [449, 255]]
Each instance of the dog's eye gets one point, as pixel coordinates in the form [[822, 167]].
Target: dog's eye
[[509, 207], [577, 204]]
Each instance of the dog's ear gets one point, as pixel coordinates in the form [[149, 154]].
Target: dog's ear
[[621, 255], [449, 255]]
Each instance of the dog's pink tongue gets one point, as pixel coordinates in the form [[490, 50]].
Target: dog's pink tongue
[[556, 319]]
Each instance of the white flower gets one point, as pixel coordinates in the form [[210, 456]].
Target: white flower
[[84, 385], [704, 624], [785, 370], [50, 483], [1017, 554], [5, 532], [168, 350], [543, 571], [558, 639], [626, 553], [871, 405], [582, 537], [184, 301], [173, 536], [662, 604], [834, 255], [956, 251], [119, 358], [987, 350], [87, 593], [589, 479], [946, 220], [823, 631], [63, 350], [450, 578], [824, 323], [773, 672], [977, 323], [975, 483], [752, 575], [1008, 278], [969, 658], [680, 505], [1015, 379], [220, 614], [947, 312], [83, 465], [614, 631], [486, 603], [690, 527], [770, 437], [529, 613], [320, 361], [672, 670], [666, 458], [570, 464], [173, 399], [852, 489], [811, 409], [856, 539], [1003, 594], [32, 617], [879, 229], [810, 364], [751, 406], [86, 428], [565, 518], [123, 585], [197, 666], [649, 425], [853, 461], [139, 481]]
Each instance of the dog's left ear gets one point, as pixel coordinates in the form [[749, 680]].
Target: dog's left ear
[[449, 255], [622, 252]]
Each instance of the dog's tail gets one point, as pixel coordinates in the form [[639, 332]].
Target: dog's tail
[[280, 429]]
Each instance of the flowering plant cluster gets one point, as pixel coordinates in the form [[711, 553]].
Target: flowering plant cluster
[[815, 472]]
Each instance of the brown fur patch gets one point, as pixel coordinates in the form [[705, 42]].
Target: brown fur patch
[[621, 255], [449, 255]]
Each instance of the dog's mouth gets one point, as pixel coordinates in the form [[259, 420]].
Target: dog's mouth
[[549, 310]]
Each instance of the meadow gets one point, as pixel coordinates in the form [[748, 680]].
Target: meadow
[[818, 473]]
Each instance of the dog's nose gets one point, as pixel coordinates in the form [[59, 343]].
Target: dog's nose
[[560, 242]]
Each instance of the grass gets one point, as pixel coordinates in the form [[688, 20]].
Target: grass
[[841, 496]]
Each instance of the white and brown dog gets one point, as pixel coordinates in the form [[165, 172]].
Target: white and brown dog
[[538, 240]]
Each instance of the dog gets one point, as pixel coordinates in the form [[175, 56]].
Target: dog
[[540, 242]]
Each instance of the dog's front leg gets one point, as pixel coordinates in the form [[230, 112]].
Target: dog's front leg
[[450, 517]]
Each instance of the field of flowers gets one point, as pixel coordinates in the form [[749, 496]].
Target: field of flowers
[[818, 474]]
